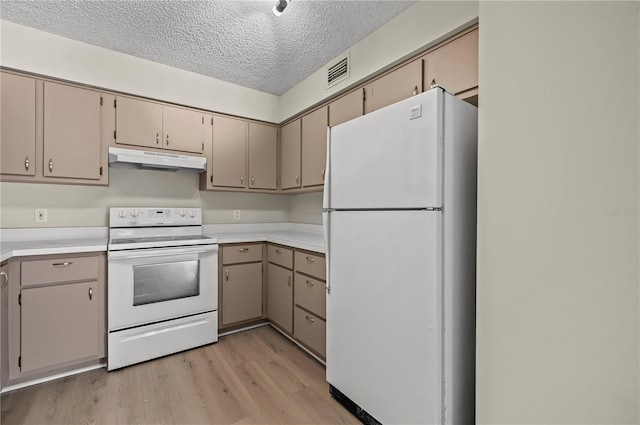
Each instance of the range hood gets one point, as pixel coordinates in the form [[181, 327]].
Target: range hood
[[132, 158]]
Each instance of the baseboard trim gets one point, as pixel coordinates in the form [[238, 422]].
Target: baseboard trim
[[51, 378]]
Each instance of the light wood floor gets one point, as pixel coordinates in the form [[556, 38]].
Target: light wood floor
[[252, 377]]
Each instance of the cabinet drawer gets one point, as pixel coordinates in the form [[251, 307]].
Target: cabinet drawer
[[58, 270], [310, 330], [281, 256], [241, 254], [310, 294], [310, 264]]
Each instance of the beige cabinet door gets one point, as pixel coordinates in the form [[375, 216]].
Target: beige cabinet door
[[290, 149], [4, 325], [346, 108], [18, 125], [182, 129], [263, 156], [241, 293], [402, 83], [314, 147], [138, 123], [229, 152], [59, 324], [453, 66], [71, 132], [280, 296]]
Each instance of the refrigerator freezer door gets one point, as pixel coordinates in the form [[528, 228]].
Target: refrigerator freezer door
[[390, 158], [383, 313]]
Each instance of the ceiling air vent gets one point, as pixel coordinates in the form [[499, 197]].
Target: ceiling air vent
[[338, 71]]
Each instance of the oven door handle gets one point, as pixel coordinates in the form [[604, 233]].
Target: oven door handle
[[146, 253]]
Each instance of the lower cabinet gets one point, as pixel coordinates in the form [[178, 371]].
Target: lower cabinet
[[310, 330], [56, 317], [280, 297], [240, 284]]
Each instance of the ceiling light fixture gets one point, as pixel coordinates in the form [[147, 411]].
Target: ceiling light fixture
[[280, 6]]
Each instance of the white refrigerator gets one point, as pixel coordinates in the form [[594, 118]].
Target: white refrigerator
[[399, 214]]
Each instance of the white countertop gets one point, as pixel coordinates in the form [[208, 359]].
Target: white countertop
[[45, 241]]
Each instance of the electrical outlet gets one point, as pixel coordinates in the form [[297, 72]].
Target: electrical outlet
[[236, 214], [41, 215]]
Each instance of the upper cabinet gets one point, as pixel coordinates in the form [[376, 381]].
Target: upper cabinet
[[263, 156], [346, 108], [229, 152], [314, 147], [18, 129], [454, 66], [398, 84], [290, 148], [153, 125], [71, 132]]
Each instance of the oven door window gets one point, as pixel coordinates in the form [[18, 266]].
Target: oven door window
[[153, 283]]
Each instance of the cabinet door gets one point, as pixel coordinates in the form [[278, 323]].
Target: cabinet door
[[71, 132], [453, 66], [138, 123], [59, 324], [346, 108], [4, 325], [241, 293], [18, 129], [229, 152], [402, 83], [314, 147], [263, 156], [182, 129], [280, 296], [290, 155]]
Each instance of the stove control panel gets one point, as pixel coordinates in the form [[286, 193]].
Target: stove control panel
[[148, 217]]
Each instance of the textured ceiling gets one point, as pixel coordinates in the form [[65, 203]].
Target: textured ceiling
[[241, 42]]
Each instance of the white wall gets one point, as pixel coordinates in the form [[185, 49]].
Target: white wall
[[558, 255], [420, 25], [36, 51], [70, 205]]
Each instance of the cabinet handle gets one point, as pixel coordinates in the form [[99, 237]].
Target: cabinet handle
[[253, 180], [243, 250], [157, 138], [278, 252], [323, 174], [167, 140], [51, 165], [289, 280], [415, 90], [241, 179], [433, 83], [226, 274], [309, 319], [4, 278], [61, 265], [90, 292], [310, 283], [309, 259], [26, 163]]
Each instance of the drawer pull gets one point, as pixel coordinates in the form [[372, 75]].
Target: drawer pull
[[226, 274], [310, 259], [243, 250], [310, 283], [61, 265], [90, 292], [309, 319], [278, 252], [4, 278]]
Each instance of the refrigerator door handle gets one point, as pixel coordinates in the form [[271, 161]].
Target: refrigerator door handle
[[327, 173], [325, 229]]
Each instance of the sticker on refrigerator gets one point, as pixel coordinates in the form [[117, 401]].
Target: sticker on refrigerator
[[415, 112]]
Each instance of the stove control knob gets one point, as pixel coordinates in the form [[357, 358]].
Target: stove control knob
[[122, 214], [134, 213], [192, 214], [182, 213]]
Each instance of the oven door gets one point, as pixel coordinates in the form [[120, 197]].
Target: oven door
[[152, 285]]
